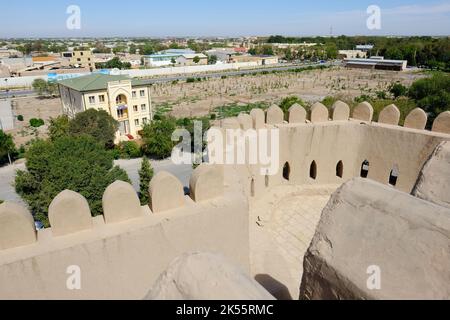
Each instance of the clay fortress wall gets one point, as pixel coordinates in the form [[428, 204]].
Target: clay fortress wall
[[121, 253]]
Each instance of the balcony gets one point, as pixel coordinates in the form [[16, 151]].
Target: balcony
[[122, 112]]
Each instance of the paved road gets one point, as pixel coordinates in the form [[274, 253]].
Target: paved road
[[16, 93], [24, 93], [182, 172]]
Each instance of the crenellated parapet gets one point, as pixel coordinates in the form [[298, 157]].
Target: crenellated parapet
[[340, 111], [120, 254], [331, 146], [69, 212]]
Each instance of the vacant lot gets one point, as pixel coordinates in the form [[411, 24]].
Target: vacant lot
[[29, 108], [199, 98]]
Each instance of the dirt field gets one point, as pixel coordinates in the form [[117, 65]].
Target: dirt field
[[197, 99], [200, 98], [29, 108]]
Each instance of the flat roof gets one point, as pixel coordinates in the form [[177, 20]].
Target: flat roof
[[375, 61], [164, 55]]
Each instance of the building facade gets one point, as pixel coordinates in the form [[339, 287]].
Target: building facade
[[377, 63], [190, 59], [165, 58], [82, 59], [128, 101]]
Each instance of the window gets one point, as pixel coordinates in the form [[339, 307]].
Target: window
[[81, 53], [142, 93], [340, 169], [286, 171], [120, 113], [78, 59], [101, 98], [365, 169], [313, 171], [144, 120], [143, 107], [133, 94], [135, 108], [136, 122], [89, 59], [393, 177], [91, 99]]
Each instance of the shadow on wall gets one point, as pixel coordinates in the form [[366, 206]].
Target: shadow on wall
[[275, 288]]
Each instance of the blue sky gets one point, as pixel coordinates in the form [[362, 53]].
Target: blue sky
[[31, 18]]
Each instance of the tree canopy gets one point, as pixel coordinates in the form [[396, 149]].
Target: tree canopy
[[157, 138], [96, 123], [432, 94], [114, 63], [6, 147], [80, 164]]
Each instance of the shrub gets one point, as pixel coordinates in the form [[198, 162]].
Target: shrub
[[36, 123], [398, 90], [288, 102], [20, 117], [129, 150], [157, 138]]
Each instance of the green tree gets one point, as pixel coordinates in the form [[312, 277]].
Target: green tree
[[288, 102], [40, 86], [432, 94], [398, 90], [114, 63], [36, 123], [45, 88], [145, 176], [212, 59], [7, 148], [58, 127], [129, 150], [96, 123], [196, 59], [157, 138], [80, 164]]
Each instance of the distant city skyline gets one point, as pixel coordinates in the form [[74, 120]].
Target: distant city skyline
[[139, 18]]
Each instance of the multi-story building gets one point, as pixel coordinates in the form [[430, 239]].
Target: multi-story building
[[352, 54], [126, 100], [82, 59]]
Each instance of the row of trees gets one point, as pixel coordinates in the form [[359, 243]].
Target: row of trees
[[114, 63], [427, 52]]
